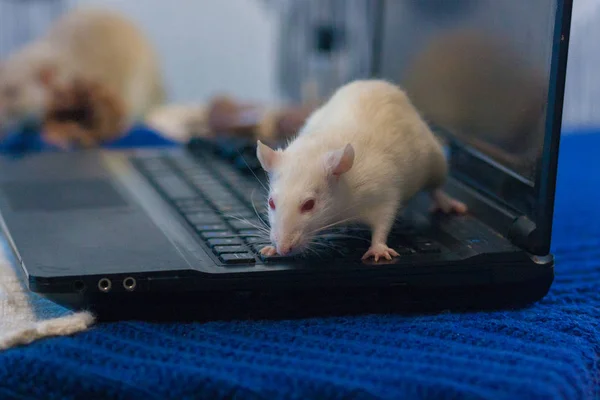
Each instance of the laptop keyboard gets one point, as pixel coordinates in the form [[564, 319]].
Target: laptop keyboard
[[227, 210]]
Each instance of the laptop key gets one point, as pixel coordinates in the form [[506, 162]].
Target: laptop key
[[238, 258], [156, 166], [251, 233], [230, 249], [174, 187], [219, 192], [257, 240], [217, 234], [204, 184], [403, 251], [199, 178], [420, 239], [211, 227], [198, 213], [276, 258], [427, 247], [194, 208], [230, 208], [184, 162], [202, 218], [205, 220], [245, 224], [224, 242], [190, 203], [240, 214]]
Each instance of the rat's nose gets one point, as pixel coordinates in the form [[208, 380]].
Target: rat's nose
[[287, 244]]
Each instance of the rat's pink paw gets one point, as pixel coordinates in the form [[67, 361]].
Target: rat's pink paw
[[268, 251], [446, 204], [378, 251]]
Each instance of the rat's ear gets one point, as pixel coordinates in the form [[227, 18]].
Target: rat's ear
[[46, 74], [340, 161], [267, 156]]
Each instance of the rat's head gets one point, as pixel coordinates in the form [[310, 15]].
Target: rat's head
[[306, 194], [24, 91]]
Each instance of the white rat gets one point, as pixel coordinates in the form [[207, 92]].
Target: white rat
[[360, 158]]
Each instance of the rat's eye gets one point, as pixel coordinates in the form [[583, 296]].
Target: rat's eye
[[308, 205], [271, 203]]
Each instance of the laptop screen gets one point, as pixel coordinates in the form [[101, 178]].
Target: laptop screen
[[480, 73]]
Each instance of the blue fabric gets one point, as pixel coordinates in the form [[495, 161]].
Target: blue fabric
[[548, 351], [26, 141]]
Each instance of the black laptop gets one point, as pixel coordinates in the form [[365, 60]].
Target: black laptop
[[106, 229]]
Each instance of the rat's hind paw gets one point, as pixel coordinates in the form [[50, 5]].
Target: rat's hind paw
[[378, 251], [446, 204], [268, 251]]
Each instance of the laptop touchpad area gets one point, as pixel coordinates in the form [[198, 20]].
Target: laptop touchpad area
[[62, 195], [81, 225]]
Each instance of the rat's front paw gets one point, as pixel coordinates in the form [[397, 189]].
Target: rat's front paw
[[268, 251], [378, 251]]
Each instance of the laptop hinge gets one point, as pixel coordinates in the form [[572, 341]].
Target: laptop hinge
[[524, 233], [515, 227]]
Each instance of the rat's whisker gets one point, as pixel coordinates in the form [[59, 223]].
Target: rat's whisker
[[256, 211], [329, 226], [320, 251], [322, 246], [332, 225], [318, 243], [326, 245], [333, 247], [337, 247], [253, 173], [313, 251]]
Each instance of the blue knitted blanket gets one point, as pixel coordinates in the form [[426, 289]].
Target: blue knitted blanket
[[548, 351]]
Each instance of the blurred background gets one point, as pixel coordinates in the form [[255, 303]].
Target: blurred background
[[190, 38], [297, 51], [191, 35]]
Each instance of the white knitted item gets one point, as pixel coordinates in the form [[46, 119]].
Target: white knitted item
[[25, 316]]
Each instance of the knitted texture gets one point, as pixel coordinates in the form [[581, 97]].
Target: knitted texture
[[25, 316], [547, 351]]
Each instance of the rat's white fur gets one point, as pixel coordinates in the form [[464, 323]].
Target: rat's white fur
[[395, 156]]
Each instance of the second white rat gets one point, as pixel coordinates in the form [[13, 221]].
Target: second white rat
[[359, 158]]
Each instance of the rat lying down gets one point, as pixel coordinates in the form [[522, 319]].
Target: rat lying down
[[358, 158]]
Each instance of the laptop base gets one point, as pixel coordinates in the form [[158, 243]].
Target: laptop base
[[270, 303], [448, 262]]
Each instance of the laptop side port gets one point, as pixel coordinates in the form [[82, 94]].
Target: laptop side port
[[79, 286], [104, 285], [129, 284]]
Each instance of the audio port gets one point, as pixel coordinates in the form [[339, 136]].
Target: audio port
[[104, 285], [129, 284]]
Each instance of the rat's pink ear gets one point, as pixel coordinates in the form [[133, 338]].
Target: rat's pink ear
[[340, 161], [267, 156]]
